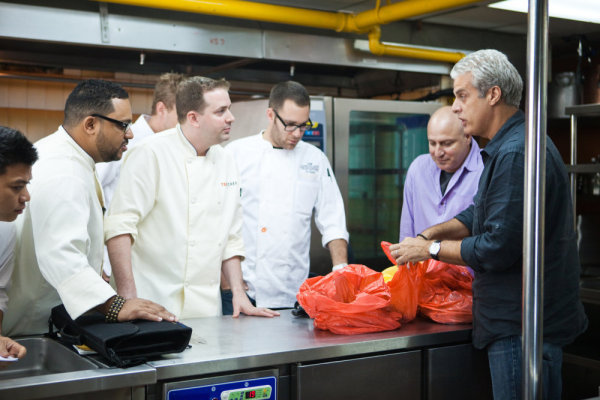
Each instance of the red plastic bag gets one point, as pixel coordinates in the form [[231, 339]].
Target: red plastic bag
[[446, 294], [386, 249], [404, 287], [348, 301]]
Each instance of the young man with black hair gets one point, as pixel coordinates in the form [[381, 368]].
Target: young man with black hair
[[17, 155]]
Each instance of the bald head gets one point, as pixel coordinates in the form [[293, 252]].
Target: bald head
[[449, 146]]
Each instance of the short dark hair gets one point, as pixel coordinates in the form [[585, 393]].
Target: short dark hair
[[288, 90], [165, 89], [190, 94], [15, 149], [92, 96]]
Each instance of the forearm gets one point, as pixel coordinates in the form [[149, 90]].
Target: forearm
[[338, 249], [450, 252], [449, 230], [231, 270], [119, 252]]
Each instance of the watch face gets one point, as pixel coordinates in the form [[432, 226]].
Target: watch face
[[434, 249]]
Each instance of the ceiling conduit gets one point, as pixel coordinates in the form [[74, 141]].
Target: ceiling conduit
[[364, 22]]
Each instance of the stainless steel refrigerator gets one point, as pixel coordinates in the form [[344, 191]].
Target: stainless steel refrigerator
[[370, 144]]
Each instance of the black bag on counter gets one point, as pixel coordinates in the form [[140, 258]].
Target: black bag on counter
[[123, 344]]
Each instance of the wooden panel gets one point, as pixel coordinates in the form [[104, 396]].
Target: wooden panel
[[17, 93], [35, 124], [141, 100]]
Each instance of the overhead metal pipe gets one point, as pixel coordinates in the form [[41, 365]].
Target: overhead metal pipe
[[405, 9], [250, 10], [535, 199], [385, 49], [337, 21]]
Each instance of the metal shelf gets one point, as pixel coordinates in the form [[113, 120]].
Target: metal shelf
[[583, 168], [583, 110]]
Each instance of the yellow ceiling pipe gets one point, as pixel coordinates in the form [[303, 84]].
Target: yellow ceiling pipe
[[338, 21], [405, 9], [341, 22], [382, 49], [250, 10]]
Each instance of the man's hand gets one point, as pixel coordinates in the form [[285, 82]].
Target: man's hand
[[144, 309], [138, 309], [411, 250], [242, 304], [9, 347]]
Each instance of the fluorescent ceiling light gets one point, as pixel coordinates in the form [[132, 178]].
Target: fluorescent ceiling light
[[578, 10]]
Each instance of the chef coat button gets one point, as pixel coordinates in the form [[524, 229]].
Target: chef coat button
[[193, 200], [220, 244], [186, 284], [192, 243], [263, 229]]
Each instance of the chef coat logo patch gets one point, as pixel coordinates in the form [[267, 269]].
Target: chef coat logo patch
[[309, 168], [227, 184]]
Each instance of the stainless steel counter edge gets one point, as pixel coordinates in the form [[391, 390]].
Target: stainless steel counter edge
[[225, 344], [68, 383]]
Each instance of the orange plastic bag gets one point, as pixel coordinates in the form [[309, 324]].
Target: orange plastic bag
[[446, 294], [348, 301], [404, 287]]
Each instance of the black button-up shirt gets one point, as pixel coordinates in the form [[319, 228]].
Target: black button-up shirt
[[495, 248]]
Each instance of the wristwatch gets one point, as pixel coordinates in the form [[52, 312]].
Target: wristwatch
[[434, 249]]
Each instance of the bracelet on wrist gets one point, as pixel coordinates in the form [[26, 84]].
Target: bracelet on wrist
[[339, 266], [422, 236], [114, 309]]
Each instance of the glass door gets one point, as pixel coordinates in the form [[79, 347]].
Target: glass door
[[374, 143]]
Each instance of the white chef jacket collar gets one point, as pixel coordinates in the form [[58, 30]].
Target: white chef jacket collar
[[88, 159], [189, 148], [265, 143]]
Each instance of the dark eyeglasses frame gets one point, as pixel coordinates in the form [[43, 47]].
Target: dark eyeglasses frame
[[292, 127], [125, 126]]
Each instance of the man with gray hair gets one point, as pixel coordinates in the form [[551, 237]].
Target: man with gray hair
[[488, 236]]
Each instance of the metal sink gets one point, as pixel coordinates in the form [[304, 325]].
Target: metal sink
[[44, 356]]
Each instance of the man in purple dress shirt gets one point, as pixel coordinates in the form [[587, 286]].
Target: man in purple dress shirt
[[442, 184]]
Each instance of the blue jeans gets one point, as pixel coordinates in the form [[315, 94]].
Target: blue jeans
[[505, 358], [227, 301]]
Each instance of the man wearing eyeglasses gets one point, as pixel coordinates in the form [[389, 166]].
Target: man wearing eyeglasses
[[284, 179], [59, 253]]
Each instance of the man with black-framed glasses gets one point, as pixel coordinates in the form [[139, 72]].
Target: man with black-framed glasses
[[60, 247], [283, 180]]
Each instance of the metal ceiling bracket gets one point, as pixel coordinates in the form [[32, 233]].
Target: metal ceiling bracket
[[104, 34]]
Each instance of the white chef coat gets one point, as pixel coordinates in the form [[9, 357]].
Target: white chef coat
[[8, 237], [280, 190], [108, 172], [183, 212], [59, 235]]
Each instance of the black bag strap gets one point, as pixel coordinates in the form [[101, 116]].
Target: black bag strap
[[68, 332]]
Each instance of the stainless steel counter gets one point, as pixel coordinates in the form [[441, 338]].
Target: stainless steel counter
[[67, 384], [224, 344]]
